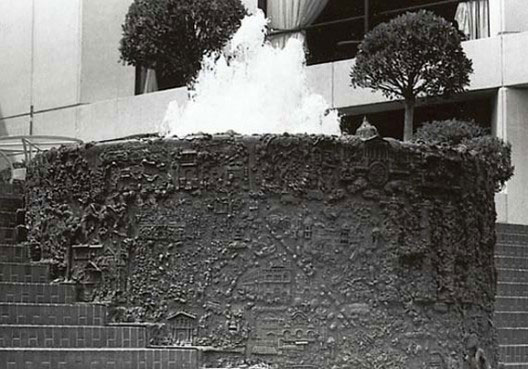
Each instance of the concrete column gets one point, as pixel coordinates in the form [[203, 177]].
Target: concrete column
[[508, 16], [496, 18], [498, 127], [511, 124]]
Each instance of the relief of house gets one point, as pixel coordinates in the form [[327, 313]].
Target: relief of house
[[183, 327], [85, 252]]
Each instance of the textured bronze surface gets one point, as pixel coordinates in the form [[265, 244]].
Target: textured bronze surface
[[307, 252]]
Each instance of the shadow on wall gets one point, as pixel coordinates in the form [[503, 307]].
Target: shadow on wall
[[3, 132], [3, 129]]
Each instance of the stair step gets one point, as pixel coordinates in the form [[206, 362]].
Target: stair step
[[511, 319], [513, 336], [511, 262], [512, 275], [10, 189], [37, 293], [13, 253], [512, 238], [73, 336], [7, 235], [8, 219], [52, 314], [513, 354], [99, 358], [24, 272], [512, 289], [511, 228], [511, 250], [511, 303], [11, 203]]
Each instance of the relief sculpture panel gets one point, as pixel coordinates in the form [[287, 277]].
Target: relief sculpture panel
[[296, 251]]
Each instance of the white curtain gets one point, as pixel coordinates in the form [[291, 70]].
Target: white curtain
[[292, 14], [473, 18], [148, 81]]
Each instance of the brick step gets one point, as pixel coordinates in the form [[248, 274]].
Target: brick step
[[13, 253], [513, 354], [512, 336], [511, 262], [73, 336], [52, 314], [11, 203], [24, 272], [99, 358], [512, 238], [511, 228], [10, 188], [505, 365], [37, 293], [509, 303], [512, 289], [511, 250], [7, 235], [512, 275], [8, 219], [504, 319]]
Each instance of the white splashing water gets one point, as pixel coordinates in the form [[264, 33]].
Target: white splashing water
[[251, 88]]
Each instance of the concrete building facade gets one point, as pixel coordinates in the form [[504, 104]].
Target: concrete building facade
[[61, 75]]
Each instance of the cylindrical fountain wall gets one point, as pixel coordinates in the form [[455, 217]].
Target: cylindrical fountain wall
[[304, 251]]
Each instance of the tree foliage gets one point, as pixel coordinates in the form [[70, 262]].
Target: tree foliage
[[492, 152], [413, 55], [450, 132], [172, 36]]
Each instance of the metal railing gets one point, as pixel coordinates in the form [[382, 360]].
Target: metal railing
[[13, 147]]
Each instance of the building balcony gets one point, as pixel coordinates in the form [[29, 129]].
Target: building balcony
[[497, 62]]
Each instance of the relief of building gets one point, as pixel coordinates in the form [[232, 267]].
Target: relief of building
[[182, 327], [271, 286], [282, 334]]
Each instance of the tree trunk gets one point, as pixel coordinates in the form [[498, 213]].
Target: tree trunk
[[409, 119]]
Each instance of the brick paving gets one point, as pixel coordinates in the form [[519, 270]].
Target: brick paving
[[511, 306]]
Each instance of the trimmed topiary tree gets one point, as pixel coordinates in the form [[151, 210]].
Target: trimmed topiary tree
[[172, 36], [493, 153], [450, 132], [415, 54]]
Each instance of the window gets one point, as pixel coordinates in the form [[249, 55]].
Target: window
[[344, 237], [337, 31], [308, 232]]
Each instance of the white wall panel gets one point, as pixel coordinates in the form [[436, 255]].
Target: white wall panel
[[15, 63], [102, 75], [486, 54], [516, 116], [514, 15], [56, 53]]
